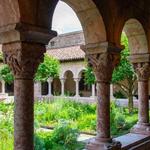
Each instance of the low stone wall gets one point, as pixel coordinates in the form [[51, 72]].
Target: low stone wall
[[119, 102], [134, 141], [89, 100]]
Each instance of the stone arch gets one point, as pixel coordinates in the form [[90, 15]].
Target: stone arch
[[69, 84], [56, 87], [136, 36], [44, 88], [79, 73], [36, 16], [64, 73], [85, 90], [91, 20]]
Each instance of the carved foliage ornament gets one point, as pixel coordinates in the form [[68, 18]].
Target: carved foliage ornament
[[103, 65], [143, 70], [23, 58]]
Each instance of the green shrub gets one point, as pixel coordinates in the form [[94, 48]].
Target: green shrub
[[62, 138], [87, 123]]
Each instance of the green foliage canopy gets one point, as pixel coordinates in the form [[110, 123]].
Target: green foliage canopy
[[49, 68], [125, 69], [89, 76]]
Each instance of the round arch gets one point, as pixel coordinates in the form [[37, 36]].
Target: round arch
[[136, 36], [64, 73], [79, 73], [91, 20], [135, 33], [69, 84]]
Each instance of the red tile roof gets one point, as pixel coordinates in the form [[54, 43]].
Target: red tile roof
[[67, 53]]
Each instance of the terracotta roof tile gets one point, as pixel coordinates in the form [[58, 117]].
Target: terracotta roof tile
[[67, 53]]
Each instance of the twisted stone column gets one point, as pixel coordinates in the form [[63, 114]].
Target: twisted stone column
[[103, 64], [23, 58], [142, 70]]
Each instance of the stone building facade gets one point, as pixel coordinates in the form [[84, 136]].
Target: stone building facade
[[66, 48]]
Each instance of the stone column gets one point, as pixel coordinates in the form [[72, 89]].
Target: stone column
[[77, 80], [103, 60], [111, 92], [3, 86], [62, 80], [23, 58], [93, 90], [50, 80], [39, 90], [143, 73]]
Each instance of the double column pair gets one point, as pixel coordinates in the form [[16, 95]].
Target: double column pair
[[77, 80]]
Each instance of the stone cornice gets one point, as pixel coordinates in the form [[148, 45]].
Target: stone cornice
[[138, 58], [26, 33], [101, 47]]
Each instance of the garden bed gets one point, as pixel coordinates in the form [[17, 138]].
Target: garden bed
[[66, 116]]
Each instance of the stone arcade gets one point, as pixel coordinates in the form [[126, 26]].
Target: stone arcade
[[25, 29]]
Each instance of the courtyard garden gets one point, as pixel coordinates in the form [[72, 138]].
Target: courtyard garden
[[67, 119]]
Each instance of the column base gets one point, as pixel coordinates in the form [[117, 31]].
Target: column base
[[141, 128], [77, 96], [103, 144]]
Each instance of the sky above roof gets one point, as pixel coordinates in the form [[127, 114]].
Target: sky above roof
[[65, 19]]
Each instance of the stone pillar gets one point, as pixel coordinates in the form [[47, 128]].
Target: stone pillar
[[77, 80], [111, 92], [39, 89], [62, 80], [23, 58], [103, 60], [3, 86], [143, 73], [50, 80], [93, 90]]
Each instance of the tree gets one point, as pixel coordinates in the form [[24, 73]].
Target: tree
[[6, 74], [124, 76], [49, 68], [89, 76]]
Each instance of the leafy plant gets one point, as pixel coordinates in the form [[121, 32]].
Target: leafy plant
[[124, 76], [6, 74], [49, 68], [89, 76]]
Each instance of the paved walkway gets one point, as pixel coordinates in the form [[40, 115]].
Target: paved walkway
[[82, 137]]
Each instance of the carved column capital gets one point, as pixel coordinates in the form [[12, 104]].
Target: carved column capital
[[103, 65], [142, 70], [103, 57], [23, 58]]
